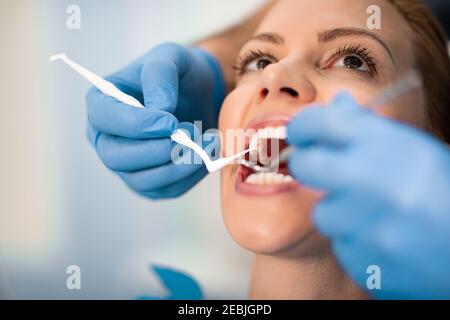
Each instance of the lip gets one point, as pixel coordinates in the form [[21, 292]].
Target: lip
[[267, 120]]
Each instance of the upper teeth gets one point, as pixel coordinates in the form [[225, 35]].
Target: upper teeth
[[259, 147], [272, 132], [268, 133]]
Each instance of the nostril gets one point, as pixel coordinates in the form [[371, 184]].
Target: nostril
[[290, 91], [264, 93]]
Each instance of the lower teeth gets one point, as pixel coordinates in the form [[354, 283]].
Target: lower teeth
[[268, 178]]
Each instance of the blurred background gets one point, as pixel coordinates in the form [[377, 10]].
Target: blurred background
[[59, 205]]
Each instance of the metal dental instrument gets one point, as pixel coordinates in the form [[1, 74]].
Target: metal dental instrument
[[406, 83]]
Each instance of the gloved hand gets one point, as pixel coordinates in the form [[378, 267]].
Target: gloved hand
[[387, 196], [175, 84]]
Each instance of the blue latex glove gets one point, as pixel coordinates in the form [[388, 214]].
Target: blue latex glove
[[387, 196], [175, 84]]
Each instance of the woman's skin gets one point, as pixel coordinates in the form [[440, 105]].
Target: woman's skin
[[302, 58]]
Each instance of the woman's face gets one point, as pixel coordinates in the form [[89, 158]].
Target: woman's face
[[304, 52]]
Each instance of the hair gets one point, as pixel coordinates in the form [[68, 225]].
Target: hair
[[430, 49]]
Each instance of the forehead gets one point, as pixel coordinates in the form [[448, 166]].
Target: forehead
[[300, 21], [304, 13]]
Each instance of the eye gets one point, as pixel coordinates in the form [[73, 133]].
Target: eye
[[352, 62], [254, 61], [258, 64], [355, 58]]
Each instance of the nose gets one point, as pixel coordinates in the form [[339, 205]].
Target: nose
[[282, 81]]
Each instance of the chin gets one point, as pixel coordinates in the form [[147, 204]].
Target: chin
[[268, 219]]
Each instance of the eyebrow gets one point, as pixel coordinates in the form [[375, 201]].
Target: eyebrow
[[330, 35], [269, 37]]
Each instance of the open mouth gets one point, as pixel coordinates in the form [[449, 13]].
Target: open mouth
[[268, 139]]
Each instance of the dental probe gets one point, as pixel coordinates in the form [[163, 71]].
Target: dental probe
[[182, 138], [409, 81], [103, 85]]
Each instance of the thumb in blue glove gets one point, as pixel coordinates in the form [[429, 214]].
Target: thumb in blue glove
[[175, 84], [387, 196]]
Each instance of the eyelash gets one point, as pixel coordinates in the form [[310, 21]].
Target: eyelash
[[245, 59], [359, 51]]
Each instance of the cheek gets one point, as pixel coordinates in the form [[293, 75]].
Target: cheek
[[233, 116], [235, 107], [328, 88], [409, 109]]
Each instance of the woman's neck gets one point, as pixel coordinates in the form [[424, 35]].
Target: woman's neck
[[303, 278]]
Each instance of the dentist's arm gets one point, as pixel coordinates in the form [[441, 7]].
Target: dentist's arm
[[178, 85], [387, 196]]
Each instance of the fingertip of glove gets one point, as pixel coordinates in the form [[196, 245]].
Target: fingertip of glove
[[344, 99], [293, 164], [91, 95], [92, 134], [299, 125], [160, 123]]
